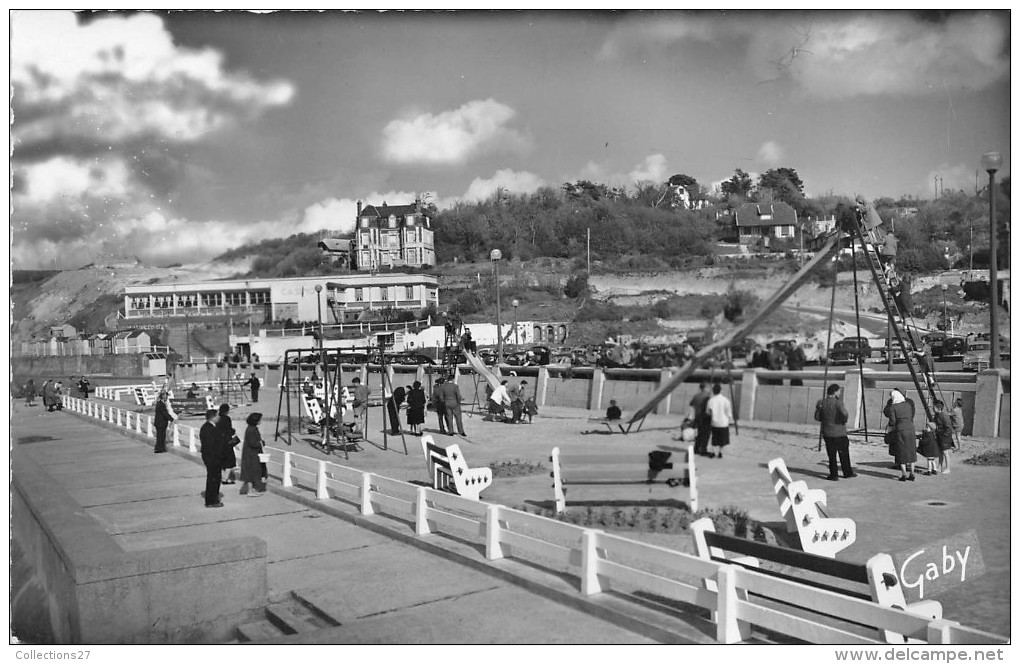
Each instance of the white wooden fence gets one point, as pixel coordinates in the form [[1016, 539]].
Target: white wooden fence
[[601, 560]]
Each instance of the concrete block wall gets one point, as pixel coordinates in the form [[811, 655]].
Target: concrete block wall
[[98, 593]]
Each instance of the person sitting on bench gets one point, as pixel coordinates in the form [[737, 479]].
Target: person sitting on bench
[[613, 412]]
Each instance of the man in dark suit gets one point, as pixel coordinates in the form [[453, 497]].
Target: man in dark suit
[[450, 396], [833, 415], [164, 416], [255, 385], [213, 450], [437, 401]]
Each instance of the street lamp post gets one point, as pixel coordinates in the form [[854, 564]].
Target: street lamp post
[[495, 255], [517, 337], [991, 161], [318, 299], [945, 310]]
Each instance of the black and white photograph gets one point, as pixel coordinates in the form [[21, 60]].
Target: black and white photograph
[[510, 328]]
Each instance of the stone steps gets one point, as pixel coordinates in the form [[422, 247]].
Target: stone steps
[[291, 615]]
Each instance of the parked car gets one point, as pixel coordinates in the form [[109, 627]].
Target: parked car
[[977, 356], [814, 351], [782, 344], [850, 350]]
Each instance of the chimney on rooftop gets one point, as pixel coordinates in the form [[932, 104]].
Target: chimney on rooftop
[[359, 208]]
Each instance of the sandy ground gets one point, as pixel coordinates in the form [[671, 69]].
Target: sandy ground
[[892, 516]]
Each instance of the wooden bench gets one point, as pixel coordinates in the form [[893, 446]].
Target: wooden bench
[[875, 580], [674, 468], [802, 510], [197, 405], [608, 423], [448, 470], [146, 396]]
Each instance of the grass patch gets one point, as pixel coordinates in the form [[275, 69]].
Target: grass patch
[[516, 468], [658, 517], [999, 457]]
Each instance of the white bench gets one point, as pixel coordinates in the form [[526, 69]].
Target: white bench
[[875, 580], [145, 396], [449, 471], [675, 468], [802, 510]]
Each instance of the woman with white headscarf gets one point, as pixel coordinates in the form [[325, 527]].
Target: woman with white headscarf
[[902, 441]]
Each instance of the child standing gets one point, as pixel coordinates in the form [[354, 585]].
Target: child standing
[[944, 435], [957, 418], [928, 447]]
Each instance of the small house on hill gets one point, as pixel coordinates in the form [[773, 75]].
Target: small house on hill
[[755, 221], [338, 250]]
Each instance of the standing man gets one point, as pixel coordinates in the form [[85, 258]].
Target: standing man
[[255, 385], [517, 401], [795, 360], [437, 402], [701, 419], [164, 416], [832, 413], [360, 405], [450, 394], [212, 456], [83, 387], [926, 363], [720, 412]]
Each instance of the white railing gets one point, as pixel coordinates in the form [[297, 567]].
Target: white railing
[[601, 560]]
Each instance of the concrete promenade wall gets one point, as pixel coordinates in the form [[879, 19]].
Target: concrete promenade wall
[[63, 366], [98, 593], [757, 394]]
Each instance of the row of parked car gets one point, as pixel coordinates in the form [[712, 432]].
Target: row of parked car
[[974, 351]]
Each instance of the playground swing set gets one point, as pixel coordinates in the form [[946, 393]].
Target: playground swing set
[[326, 410]]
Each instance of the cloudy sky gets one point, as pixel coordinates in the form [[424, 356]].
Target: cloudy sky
[[173, 137]]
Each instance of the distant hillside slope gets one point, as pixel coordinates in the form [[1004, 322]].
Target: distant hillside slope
[[86, 296]]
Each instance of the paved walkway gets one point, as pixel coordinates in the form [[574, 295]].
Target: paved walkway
[[380, 589]]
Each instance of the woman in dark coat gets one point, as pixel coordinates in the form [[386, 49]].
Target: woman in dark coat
[[251, 467], [226, 430], [416, 408], [903, 442]]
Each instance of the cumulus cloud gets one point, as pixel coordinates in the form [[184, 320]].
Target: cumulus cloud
[[339, 215], [835, 55], [453, 137], [653, 168], [770, 153], [98, 110], [510, 181]]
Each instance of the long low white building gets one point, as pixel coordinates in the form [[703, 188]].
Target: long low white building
[[342, 297]]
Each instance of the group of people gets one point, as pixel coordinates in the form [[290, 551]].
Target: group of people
[[219, 440], [709, 417], [774, 358], [513, 396], [51, 391]]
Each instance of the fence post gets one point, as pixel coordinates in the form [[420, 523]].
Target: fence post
[[287, 481], [665, 374], [191, 440], [748, 394], [543, 385], [366, 491], [493, 550], [118, 416], [590, 563], [177, 436], [320, 482], [149, 433], [421, 522], [138, 424], [727, 628], [940, 631], [127, 420]]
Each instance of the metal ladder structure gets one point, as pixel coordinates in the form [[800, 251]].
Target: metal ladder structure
[[907, 342]]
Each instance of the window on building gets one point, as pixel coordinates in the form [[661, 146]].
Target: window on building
[[384, 293], [359, 294], [408, 292]]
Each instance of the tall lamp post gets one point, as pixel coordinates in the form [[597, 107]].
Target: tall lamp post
[[945, 310], [517, 338], [991, 161], [495, 255], [318, 300]]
